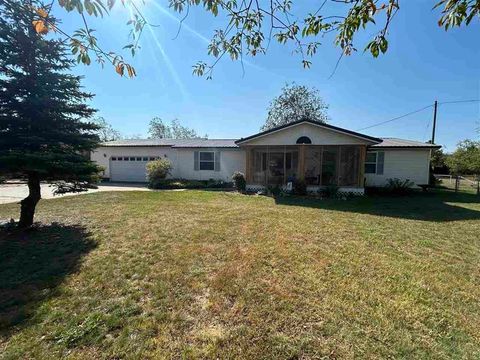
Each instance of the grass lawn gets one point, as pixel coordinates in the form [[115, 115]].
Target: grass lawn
[[200, 274]]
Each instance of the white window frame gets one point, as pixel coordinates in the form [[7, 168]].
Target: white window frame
[[206, 161], [371, 162]]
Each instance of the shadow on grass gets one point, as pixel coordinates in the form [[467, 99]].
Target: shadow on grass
[[32, 266], [436, 205]]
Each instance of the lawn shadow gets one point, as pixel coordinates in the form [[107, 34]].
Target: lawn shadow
[[32, 266], [435, 205]]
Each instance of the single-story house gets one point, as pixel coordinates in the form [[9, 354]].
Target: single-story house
[[321, 154]]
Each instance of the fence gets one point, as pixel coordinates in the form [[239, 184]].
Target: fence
[[460, 181]]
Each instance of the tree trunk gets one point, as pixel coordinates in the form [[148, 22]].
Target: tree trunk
[[27, 209]]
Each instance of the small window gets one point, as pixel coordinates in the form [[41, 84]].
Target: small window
[[152, 158], [114, 158], [139, 159], [125, 158], [132, 159], [371, 163], [207, 160], [304, 140], [145, 158]]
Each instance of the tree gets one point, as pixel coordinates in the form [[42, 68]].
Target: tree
[[251, 25], [105, 131], [160, 130], [43, 130], [296, 102], [438, 162], [466, 158]]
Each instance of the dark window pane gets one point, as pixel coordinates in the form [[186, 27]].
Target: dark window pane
[[145, 159], [207, 165], [139, 159], [114, 158], [132, 159], [371, 157], [370, 168], [207, 156], [125, 159]]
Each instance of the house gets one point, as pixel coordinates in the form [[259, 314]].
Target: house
[[321, 154]]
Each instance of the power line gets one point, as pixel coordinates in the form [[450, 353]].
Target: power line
[[396, 118], [417, 111], [459, 101]]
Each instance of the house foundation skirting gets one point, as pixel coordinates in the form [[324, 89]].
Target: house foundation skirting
[[314, 189]]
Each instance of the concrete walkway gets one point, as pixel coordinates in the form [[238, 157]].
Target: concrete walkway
[[14, 192]]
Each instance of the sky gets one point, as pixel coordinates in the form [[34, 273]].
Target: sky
[[423, 64]]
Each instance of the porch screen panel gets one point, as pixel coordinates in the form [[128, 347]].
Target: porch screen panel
[[291, 164], [259, 167], [349, 166], [329, 165], [313, 163], [276, 166]]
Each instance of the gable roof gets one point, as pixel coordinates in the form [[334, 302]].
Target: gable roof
[[174, 143], [395, 143], [316, 123]]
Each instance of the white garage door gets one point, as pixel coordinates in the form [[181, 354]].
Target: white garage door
[[129, 168]]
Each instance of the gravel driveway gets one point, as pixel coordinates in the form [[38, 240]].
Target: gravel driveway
[[14, 192]]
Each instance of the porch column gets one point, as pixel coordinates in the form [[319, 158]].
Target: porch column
[[301, 162], [248, 165], [361, 166]]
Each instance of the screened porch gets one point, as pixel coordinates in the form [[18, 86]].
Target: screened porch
[[341, 165]]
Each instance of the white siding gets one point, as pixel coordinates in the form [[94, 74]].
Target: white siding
[[231, 160], [318, 135], [403, 164]]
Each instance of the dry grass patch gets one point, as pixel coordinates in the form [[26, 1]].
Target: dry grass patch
[[198, 274]]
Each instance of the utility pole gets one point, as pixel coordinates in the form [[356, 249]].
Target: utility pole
[[434, 121], [431, 178]]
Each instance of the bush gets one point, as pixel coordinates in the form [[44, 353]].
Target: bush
[[330, 191], [274, 190], [239, 181], [399, 187], [299, 187], [157, 171], [191, 184]]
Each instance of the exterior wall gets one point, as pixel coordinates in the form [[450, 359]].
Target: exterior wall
[[403, 164], [231, 160], [318, 135]]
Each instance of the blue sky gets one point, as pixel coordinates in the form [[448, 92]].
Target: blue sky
[[423, 63]]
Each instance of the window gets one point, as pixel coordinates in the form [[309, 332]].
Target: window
[[114, 158], [207, 160], [132, 159], [145, 158], [374, 162], [152, 158], [304, 140], [126, 159], [139, 159], [371, 163]]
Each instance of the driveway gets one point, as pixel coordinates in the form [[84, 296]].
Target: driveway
[[14, 192]]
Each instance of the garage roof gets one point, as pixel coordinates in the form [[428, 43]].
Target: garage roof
[[175, 143]]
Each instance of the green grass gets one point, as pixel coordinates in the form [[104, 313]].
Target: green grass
[[197, 274]]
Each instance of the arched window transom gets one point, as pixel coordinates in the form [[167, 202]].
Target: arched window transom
[[304, 140]]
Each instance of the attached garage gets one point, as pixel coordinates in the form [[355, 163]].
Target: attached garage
[[129, 168]]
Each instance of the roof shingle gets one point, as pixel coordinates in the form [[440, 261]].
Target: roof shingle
[[402, 143], [175, 143]]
